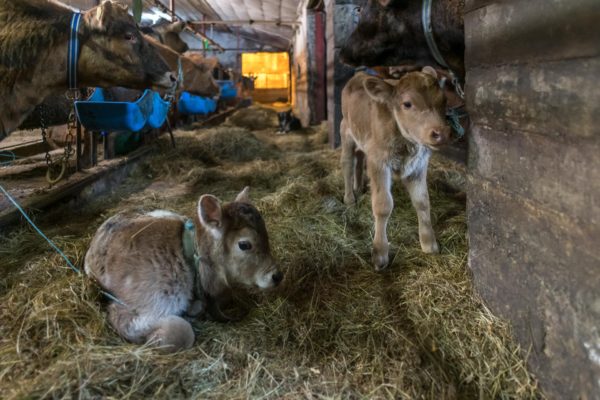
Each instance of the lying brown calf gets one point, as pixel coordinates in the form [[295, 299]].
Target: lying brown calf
[[161, 267], [395, 124]]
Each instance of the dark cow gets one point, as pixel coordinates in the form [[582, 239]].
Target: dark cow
[[168, 34], [390, 33], [33, 52]]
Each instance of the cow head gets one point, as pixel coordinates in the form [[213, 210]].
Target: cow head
[[237, 241], [170, 36], [198, 75], [114, 53], [417, 103]]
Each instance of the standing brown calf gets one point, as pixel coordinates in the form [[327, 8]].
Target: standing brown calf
[[162, 270], [394, 125]]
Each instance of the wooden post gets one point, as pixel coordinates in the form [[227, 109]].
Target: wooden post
[[78, 148], [532, 187], [172, 9]]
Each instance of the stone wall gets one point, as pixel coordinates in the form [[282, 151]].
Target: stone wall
[[534, 180]]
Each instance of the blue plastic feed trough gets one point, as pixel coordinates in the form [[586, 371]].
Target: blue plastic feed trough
[[228, 90], [160, 109], [98, 114], [195, 105]]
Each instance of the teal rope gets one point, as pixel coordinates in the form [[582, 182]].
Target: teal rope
[[7, 154], [51, 243], [454, 116], [38, 230]]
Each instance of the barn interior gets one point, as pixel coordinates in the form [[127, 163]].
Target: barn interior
[[461, 324]]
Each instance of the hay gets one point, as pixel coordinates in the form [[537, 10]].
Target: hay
[[335, 329], [254, 118]]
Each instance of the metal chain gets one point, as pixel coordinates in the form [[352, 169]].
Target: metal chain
[[43, 128], [72, 96]]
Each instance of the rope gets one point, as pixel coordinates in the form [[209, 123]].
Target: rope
[[453, 115], [7, 154], [51, 243]]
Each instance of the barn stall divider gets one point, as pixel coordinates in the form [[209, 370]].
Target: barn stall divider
[[534, 180]]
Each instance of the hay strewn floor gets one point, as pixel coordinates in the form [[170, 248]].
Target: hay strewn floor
[[336, 329]]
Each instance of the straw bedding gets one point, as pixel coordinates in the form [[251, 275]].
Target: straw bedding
[[335, 329]]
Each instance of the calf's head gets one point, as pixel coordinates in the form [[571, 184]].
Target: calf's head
[[417, 104], [237, 241], [114, 53]]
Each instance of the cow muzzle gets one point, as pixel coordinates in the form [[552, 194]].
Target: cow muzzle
[[438, 137], [269, 279], [166, 81]]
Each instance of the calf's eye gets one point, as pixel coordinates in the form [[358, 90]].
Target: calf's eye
[[245, 245], [407, 104], [129, 37]]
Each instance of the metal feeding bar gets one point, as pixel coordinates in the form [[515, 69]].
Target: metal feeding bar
[[188, 26], [212, 43], [245, 22]]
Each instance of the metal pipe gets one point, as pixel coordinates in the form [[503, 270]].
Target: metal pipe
[[244, 22], [172, 8]]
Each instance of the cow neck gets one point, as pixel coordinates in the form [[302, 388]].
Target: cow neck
[[433, 48], [208, 282], [46, 78]]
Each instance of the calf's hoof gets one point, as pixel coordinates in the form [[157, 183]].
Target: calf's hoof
[[350, 199], [172, 334], [379, 260], [430, 248]]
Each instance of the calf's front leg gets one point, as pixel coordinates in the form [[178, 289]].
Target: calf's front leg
[[347, 164], [382, 204], [417, 189]]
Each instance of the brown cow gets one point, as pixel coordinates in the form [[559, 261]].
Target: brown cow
[[205, 64], [196, 71], [394, 125], [161, 268], [197, 79], [33, 53]]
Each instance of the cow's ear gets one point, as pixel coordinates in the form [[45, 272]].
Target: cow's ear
[[210, 213], [105, 13], [378, 89], [430, 71], [243, 196], [176, 27]]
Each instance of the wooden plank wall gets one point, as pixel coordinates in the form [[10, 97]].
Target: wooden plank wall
[[534, 180], [339, 15]]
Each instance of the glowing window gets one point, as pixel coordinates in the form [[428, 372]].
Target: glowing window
[[271, 70]]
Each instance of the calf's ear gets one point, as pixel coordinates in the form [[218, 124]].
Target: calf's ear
[[378, 89], [243, 196], [430, 71], [209, 212]]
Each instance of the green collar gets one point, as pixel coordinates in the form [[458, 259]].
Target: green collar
[[189, 244]]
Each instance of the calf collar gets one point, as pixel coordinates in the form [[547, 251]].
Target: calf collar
[[73, 51], [190, 252], [435, 51]]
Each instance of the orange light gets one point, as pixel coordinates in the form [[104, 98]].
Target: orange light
[[272, 70]]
